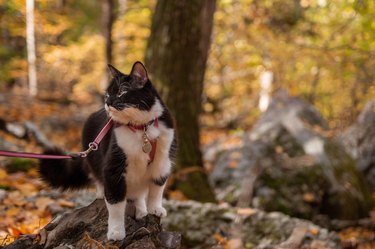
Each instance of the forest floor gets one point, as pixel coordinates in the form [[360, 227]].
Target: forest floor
[[27, 204]]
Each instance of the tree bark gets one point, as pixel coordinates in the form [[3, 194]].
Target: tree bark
[[176, 58], [30, 40]]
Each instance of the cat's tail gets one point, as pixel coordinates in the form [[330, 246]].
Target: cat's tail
[[63, 173]]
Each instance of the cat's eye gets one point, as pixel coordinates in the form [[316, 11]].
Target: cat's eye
[[121, 93], [106, 95]]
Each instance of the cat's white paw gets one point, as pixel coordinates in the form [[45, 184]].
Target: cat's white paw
[[158, 211], [139, 213], [116, 234]]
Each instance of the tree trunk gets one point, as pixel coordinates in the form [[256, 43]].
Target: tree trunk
[[108, 18], [30, 40], [176, 57]]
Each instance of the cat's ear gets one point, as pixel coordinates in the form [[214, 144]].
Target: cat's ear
[[114, 71], [139, 72]]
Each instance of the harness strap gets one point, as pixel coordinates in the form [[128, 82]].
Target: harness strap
[[92, 147], [32, 155]]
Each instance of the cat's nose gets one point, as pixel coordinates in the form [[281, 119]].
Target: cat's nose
[[109, 102]]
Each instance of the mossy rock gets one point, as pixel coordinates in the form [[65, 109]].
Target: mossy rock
[[303, 172]]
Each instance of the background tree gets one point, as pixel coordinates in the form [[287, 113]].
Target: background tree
[[176, 57], [108, 18], [30, 40]]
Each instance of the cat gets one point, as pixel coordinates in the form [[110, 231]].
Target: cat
[[122, 169]]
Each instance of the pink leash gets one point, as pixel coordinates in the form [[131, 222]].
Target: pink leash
[[92, 147]]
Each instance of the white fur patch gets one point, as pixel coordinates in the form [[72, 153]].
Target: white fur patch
[[134, 115], [116, 220]]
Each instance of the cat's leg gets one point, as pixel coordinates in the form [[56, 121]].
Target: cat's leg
[[159, 176], [138, 193], [114, 193], [140, 207], [155, 199], [159, 171], [99, 190], [116, 220]]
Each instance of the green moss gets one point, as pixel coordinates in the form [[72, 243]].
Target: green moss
[[349, 188], [19, 164], [195, 187], [6, 187], [288, 188]]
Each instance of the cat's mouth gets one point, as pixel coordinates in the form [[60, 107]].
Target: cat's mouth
[[127, 114]]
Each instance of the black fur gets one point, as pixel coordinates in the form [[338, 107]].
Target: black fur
[[161, 180], [65, 174]]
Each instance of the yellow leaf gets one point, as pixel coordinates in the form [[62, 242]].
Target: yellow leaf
[[314, 231], [13, 211], [15, 232], [42, 202], [235, 244], [177, 195], [246, 211], [309, 197], [219, 238], [64, 203], [26, 188], [3, 174]]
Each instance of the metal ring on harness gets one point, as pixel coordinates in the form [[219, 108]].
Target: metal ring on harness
[[93, 146]]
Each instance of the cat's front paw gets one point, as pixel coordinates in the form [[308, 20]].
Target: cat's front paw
[[158, 211], [139, 213], [116, 234]]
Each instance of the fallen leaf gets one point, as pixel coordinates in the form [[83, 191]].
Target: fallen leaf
[[314, 231], [233, 164], [309, 197], [221, 240], [64, 203], [177, 195], [16, 233], [3, 174], [26, 188], [13, 211], [246, 211], [42, 202], [235, 244]]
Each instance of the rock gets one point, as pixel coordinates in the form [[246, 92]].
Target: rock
[[359, 141], [201, 225], [3, 194], [290, 163], [87, 226]]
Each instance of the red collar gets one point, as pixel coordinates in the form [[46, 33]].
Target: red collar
[[141, 127], [144, 128]]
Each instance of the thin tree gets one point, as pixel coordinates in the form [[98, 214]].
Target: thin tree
[[108, 18], [176, 57], [30, 41]]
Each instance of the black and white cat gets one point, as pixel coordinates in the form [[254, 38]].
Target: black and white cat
[[122, 169]]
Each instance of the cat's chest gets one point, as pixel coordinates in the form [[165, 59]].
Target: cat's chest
[[131, 141]]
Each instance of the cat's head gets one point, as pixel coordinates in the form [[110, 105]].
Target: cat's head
[[131, 98]]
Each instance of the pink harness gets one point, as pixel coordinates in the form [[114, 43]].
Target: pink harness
[[93, 146]]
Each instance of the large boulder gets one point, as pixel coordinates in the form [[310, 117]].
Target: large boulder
[[214, 226], [359, 141], [289, 162]]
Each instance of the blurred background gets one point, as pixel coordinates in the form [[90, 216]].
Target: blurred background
[[274, 101]]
